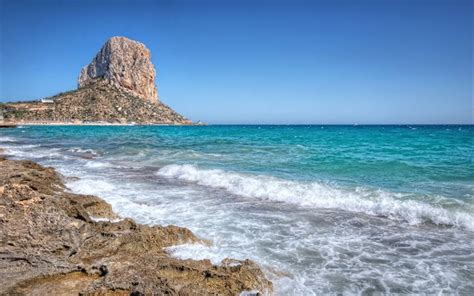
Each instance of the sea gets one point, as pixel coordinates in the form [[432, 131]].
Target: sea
[[322, 209]]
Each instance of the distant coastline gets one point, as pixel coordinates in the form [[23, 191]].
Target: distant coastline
[[65, 123], [199, 123]]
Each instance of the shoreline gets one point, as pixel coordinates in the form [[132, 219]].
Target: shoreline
[[16, 124], [59, 242], [91, 124]]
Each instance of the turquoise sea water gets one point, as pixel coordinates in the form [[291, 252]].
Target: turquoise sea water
[[323, 209]]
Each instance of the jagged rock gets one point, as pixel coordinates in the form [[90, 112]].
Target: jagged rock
[[125, 63], [50, 244]]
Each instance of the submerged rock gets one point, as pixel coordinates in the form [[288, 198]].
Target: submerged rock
[[54, 242]]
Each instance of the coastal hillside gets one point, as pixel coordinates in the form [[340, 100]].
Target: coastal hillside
[[118, 86], [98, 101]]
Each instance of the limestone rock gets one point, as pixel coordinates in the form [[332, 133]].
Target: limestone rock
[[125, 63], [54, 242]]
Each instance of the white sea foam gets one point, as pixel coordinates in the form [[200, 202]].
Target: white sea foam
[[87, 186], [100, 219], [97, 164], [7, 139], [80, 150], [197, 252], [319, 195], [31, 151]]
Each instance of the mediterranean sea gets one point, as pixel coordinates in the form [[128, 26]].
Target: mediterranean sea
[[323, 209]]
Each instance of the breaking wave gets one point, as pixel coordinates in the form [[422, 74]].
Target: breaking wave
[[320, 195], [7, 139], [81, 150]]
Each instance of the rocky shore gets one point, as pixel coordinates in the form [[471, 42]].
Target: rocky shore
[[54, 242]]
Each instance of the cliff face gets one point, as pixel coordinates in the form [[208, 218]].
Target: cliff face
[[126, 64], [54, 242]]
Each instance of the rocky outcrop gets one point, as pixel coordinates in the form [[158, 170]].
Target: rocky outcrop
[[52, 244], [118, 86], [125, 63]]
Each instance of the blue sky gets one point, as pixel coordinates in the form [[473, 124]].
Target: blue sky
[[343, 61]]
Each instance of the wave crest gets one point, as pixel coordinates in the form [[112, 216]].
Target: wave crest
[[7, 139], [319, 195]]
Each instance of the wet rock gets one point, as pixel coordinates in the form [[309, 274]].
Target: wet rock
[[50, 245]]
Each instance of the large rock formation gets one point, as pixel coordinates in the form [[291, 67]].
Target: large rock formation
[[116, 87], [124, 63]]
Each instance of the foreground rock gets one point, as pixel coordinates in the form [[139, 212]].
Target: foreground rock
[[51, 244], [125, 63]]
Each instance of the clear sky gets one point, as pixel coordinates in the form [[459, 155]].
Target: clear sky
[[340, 61]]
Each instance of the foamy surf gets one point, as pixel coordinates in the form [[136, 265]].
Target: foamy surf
[[197, 252], [319, 195], [6, 139]]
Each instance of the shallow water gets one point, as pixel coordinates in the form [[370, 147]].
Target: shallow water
[[323, 209]]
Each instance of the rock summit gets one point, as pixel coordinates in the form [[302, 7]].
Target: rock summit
[[125, 63]]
